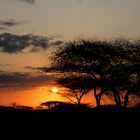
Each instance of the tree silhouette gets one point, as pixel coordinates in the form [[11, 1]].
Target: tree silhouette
[[108, 68], [133, 71], [78, 86], [51, 104], [57, 105], [123, 75], [83, 57]]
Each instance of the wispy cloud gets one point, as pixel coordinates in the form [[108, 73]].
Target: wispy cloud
[[28, 1], [80, 1], [1, 71], [9, 23], [2, 28], [23, 80], [56, 43], [41, 69], [4, 65], [11, 43]]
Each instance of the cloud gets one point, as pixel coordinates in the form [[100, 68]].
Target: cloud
[[4, 65], [2, 28], [41, 69], [80, 1], [29, 1], [2, 71], [56, 43], [11, 43], [23, 80], [8, 23]]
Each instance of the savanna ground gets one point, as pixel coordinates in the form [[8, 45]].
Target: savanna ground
[[101, 123]]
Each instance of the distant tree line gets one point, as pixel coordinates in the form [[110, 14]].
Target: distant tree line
[[110, 68]]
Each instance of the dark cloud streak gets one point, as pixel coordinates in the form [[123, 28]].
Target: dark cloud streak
[[56, 43], [23, 80], [8, 23], [4, 65], [41, 69], [11, 43], [28, 1], [2, 28]]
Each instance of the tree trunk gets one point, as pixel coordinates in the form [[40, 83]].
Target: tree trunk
[[78, 102], [117, 99], [126, 100], [98, 102], [97, 98]]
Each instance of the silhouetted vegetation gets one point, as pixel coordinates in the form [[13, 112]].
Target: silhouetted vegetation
[[110, 68], [77, 85], [57, 105], [68, 107]]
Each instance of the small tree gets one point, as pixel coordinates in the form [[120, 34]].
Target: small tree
[[78, 86]]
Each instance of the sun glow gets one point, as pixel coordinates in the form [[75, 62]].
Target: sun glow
[[54, 90]]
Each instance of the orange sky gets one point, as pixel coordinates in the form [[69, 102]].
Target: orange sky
[[35, 97], [56, 20], [32, 97]]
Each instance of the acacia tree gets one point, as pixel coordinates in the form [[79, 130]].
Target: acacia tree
[[83, 57], [105, 62], [78, 86], [123, 79], [133, 71]]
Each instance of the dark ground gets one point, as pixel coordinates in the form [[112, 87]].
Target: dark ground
[[108, 122], [105, 114]]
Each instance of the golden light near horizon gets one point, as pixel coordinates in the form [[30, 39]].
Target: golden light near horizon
[[54, 90]]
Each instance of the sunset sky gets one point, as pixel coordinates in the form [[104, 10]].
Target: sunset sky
[[31, 29]]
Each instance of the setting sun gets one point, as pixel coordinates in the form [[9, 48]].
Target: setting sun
[[54, 90]]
